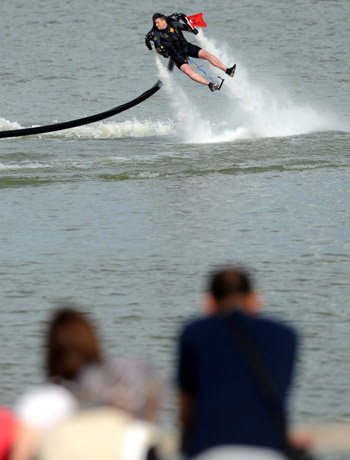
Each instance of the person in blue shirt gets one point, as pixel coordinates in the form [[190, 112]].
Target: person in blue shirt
[[220, 400]]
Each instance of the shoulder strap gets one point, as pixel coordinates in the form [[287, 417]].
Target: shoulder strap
[[262, 375]]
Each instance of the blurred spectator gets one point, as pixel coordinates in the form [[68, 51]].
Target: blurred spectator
[[8, 430], [121, 397], [221, 403], [71, 345], [128, 383]]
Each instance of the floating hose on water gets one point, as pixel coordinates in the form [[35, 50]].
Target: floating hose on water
[[82, 121]]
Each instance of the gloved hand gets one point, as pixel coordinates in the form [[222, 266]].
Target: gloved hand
[[181, 16], [162, 52], [195, 31], [148, 38]]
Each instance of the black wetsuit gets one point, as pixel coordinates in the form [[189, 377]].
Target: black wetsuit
[[171, 43]]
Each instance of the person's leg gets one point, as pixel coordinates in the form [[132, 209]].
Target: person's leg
[[186, 69], [203, 54]]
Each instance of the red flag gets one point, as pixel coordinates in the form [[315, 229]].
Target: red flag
[[196, 20]]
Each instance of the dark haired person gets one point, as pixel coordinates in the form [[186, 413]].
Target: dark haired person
[[220, 400], [71, 344], [169, 41]]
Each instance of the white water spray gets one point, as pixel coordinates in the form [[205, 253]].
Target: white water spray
[[193, 125], [247, 110]]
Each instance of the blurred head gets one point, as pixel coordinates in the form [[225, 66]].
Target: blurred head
[[230, 288], [159, 20], [72, 344], [127, 383]]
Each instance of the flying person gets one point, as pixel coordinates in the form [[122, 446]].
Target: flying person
[[169, 41]]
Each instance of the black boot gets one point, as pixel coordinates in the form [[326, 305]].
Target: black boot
[[231, 70]]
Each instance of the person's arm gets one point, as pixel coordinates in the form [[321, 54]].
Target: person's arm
[[185, 409], [185, 381], [185, 27], [26, 443], [158, 45]]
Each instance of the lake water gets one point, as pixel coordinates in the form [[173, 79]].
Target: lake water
[[127, 216]]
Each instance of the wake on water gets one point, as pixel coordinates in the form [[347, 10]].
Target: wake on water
[[248, 110], [103, 130]]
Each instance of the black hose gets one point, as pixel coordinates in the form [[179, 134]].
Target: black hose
[[82, 121]]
